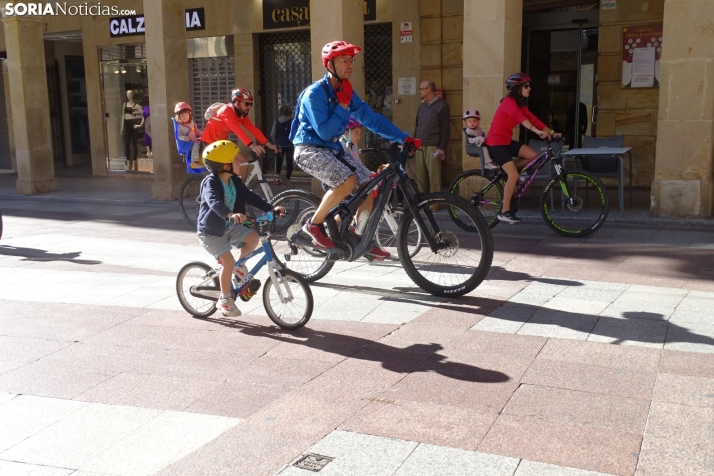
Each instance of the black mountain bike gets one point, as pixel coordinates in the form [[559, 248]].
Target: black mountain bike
[[450, 261], [573, 203]]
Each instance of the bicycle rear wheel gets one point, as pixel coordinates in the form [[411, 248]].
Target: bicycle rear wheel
[[276, 183], [460, 260], [583, 212], [193, 277], [308, 261], [190, 199], [489, 199], [387, 233], [295, 312]]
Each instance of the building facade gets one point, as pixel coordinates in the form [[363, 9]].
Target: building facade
[[642, 69]]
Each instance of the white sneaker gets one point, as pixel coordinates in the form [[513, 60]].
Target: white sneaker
[[228, 307]]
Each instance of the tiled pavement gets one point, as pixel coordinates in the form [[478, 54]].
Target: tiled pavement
[[575, 357]]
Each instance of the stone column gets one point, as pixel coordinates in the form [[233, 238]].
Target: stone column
[[28, 101], [494, 28], [684, 161], [95, 107], [168, 84], [332, 20], [8, 109]]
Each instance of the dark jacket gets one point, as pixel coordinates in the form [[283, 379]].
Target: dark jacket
[[213, 211], [432, 124]]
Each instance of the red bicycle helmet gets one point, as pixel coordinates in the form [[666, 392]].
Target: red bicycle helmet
[[472, 113], [182, 106], [352, 124], [338, 48], [517, 80], [241, 94]]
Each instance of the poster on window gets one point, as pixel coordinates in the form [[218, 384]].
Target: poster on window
[[641, 54]]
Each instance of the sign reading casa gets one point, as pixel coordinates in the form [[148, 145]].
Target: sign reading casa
[[290, 13], [134, 24]]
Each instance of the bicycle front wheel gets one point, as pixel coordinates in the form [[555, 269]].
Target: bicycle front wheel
[[387, 233], [475, 188], [196, 291], [294, 309], [308, 261], [576, 206], [190, 199], [452, 261]]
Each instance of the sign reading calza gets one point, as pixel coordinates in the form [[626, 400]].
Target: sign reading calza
[[134, 24], [292, 13]]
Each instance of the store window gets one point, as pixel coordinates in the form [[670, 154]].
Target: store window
[[125, 94]]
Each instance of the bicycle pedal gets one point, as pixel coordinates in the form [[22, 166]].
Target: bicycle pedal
[[249, 291]]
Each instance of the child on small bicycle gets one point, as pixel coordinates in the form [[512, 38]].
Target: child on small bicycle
[[188, 136], [222, 210], [472, 121]]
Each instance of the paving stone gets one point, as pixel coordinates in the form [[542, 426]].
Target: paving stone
[[581, 306], [591, 378], [594, 291], [81, 436], [355, 453], [149, 391], [11, 468], [635, 332], [6, 397], [579, 408], [565, 325], [237, 400], [678, 440], [508, 318], [25, 350], [162, 441], [690, 337], [533, 468], [26, 415], [693, 317], [428, 460], [591, 448], [684, 390], [591, 353], [699, 301], [687, 363], [443, 425]]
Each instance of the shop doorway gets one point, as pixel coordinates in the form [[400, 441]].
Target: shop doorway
[[125, 94], [560, 54], [285, 70], [55, 107], [377, 80]]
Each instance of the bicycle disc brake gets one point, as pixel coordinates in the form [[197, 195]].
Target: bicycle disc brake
[[575, 204], [448, 244]]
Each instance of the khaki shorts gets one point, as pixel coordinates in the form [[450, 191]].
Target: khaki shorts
[[217, 245]]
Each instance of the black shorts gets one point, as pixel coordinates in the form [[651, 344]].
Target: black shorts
[[502, 154]]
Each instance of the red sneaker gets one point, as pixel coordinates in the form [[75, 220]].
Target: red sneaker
[[378, 253], [317, 233]]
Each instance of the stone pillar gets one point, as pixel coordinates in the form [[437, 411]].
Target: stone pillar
[[168, 84], [8, 109], [495, 27], [95, 107], [684, 161], [332, 20], [28, 101]]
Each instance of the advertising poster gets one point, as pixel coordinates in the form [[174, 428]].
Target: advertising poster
[[641, 53]]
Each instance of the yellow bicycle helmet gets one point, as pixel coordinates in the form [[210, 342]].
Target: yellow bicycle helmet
[[219, 153]]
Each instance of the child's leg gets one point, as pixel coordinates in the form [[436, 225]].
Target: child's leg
[[227, 272], [194, 151], [250, 243]]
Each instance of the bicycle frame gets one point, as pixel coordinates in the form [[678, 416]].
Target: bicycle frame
[[533, 167], [257, 173], [391, 175]]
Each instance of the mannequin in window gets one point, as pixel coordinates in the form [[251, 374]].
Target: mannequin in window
[[131, 114]]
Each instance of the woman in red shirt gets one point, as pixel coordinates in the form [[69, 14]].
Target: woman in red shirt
[[511, 112]]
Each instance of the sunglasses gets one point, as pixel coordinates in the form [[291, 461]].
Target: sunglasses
[[527, 85], [245, 103]]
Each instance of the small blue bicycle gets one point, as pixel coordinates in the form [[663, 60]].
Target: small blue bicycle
[[286, 295]]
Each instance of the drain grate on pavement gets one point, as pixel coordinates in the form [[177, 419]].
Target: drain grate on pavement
[[312, 462]]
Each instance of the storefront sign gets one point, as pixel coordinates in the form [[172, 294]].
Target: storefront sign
[[553, 79], [195, 19], [564, 60], [407, 86], [608, 4], [406, 32], [292, 13], [134, 24], [641, 53]]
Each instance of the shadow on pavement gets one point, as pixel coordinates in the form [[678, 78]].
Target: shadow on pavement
[[410, 359], [34, 254]]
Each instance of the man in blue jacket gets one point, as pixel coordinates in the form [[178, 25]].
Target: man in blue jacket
[[223, 199], [322, 113]]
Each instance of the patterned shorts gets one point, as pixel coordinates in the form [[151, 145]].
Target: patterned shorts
[[323, 164]]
